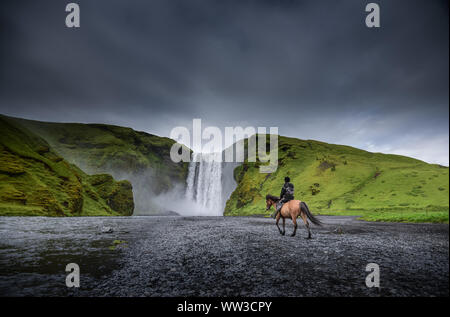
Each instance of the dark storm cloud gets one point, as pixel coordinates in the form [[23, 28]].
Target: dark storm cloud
[[310, 67]]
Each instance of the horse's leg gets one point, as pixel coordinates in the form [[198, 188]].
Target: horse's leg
[[305, 220], [284, 226], [278, 220], [294, 220]]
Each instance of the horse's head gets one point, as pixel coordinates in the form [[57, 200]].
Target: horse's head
[[269, 204], [270, 200]]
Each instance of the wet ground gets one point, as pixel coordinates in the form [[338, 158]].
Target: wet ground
[[220, 256]]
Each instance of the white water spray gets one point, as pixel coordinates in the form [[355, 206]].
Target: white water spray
[[204, 183]]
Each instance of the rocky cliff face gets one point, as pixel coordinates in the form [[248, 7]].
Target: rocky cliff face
[[36, 181]]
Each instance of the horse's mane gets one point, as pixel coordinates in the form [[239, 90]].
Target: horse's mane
[[271, 197]]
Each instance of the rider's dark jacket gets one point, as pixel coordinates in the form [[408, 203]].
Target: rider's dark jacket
[[287, 192]]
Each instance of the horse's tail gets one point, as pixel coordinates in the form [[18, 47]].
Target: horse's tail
[[305, 209]]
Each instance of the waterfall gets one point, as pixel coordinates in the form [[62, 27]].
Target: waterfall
[[204, 182]]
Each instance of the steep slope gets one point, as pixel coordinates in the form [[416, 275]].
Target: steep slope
[[341, 179], [139, 157], [35, 180]]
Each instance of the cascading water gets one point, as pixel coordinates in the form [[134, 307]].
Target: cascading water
[[204, 182]]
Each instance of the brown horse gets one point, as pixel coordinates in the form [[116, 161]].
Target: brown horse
[[292, 209]]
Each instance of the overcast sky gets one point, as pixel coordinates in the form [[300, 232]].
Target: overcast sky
[[311, 68]]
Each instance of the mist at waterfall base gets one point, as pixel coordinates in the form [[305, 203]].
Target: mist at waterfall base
[[176, 201], [168, 203], [172, 202], [208, 185]]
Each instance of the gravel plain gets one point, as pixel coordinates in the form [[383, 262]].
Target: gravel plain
[[220, 256]]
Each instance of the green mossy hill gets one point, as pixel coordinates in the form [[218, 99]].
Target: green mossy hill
[[337, 179], [120, 151], [36, 181]]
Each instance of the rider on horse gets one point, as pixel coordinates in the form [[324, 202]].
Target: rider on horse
[[287, 193]]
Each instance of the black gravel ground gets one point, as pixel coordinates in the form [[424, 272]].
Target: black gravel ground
[[220, 256]]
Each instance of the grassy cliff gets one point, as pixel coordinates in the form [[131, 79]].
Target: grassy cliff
[[336, 179], [36, 181], [122, 152]]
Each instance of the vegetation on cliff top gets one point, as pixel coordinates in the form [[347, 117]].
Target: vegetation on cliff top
[[36, 181], [341, 180]]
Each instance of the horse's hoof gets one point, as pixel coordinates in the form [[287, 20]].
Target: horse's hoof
[[283, 233], [292, 235], [308, 238]]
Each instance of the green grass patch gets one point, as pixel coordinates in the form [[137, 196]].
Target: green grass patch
[[116, 244], [399, 215]]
